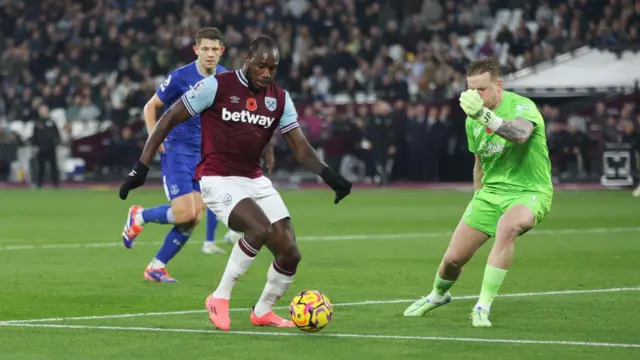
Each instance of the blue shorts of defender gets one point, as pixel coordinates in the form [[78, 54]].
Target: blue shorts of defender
[[177, 174]]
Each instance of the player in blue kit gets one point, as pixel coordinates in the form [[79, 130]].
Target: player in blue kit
[[180, 154]]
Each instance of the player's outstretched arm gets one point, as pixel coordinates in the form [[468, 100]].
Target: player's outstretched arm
[[193, 102], [176, 114], [307, 156], [303, 152]]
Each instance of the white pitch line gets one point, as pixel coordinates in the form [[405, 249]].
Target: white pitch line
[[332, 335], [424, 235], [357, 303]]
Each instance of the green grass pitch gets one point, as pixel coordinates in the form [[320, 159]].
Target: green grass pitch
[[575, 283]]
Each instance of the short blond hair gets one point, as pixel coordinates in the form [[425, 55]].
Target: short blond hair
[[483, 65]]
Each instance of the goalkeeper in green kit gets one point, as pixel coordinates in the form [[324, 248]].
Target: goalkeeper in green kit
[[512, 183]]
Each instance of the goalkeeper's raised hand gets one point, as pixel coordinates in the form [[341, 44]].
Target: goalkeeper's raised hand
[[473, 105]]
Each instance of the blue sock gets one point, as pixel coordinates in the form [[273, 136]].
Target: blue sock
[[173, 242], [160, 214], [212, 223]]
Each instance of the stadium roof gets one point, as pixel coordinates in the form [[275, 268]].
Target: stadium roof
[[586, 71]]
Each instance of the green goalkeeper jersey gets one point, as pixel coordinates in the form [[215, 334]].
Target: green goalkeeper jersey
[[508, 167]]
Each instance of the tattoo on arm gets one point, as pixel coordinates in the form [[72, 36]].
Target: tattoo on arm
[[516, 130]]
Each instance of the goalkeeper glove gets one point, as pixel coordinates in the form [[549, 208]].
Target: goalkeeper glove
[[472, 104]]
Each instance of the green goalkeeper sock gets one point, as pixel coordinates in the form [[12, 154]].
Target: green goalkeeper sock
[[493, 278], [441, 286]]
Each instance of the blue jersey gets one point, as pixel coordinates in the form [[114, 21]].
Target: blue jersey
[[185, 137]]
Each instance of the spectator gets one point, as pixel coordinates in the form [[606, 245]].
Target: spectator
[[379, 131], [556, 141], [45, 139], [99, 61], [575, 151]]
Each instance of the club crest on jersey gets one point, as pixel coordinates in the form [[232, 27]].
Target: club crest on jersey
[[270, 103], [195, 89]]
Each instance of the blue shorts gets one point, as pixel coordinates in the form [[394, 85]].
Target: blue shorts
[[177, 174]]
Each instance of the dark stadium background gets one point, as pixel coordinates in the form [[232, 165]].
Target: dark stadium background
[[95, 64]]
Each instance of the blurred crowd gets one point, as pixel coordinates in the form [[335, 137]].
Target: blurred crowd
[[577, 142], [101, 60]]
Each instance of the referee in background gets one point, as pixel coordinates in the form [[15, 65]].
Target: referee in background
[[46, 138]]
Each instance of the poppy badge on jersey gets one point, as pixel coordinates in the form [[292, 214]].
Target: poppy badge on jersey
[[252, 104]]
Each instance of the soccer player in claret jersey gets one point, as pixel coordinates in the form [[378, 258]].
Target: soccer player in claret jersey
[[180, 154], [512, 181], [240, 110]]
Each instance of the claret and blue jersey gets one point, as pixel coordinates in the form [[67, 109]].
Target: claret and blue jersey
[[237, 124]]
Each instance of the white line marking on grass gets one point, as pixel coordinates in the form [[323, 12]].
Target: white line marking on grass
[[357, 303], [333, 335], [424, 235]]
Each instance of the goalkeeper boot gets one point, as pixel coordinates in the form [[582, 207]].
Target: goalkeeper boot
[[480, 317], [426, 304], [131, 229]]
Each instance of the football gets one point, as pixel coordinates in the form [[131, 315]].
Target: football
[[311, 311]]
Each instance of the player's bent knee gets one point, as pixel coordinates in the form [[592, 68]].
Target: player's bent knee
[[509, 231], [184, 211], [452, 261], [514, 222], [289, 258], [457, 257], [184, 215]]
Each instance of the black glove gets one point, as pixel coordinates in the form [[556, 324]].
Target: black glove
[[135, 179], [340, 185]]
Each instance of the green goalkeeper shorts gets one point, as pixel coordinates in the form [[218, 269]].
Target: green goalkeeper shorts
[[485, 209]]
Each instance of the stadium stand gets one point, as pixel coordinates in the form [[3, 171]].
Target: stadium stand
[[96, 63]]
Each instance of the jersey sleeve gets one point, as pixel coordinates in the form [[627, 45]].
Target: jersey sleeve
[[169, 90], [470, 136], [289, 119], [527, 109], [201, 95]]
